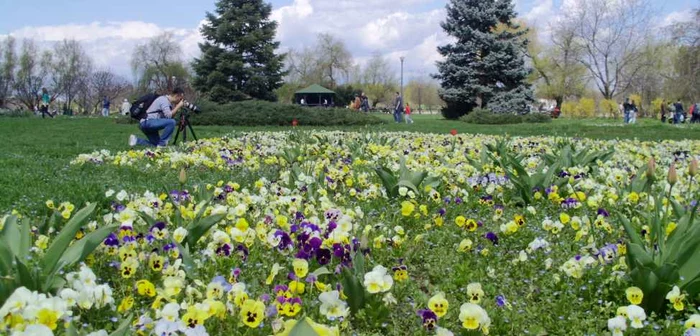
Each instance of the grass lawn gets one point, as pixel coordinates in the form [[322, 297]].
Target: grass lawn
[[34, 161]]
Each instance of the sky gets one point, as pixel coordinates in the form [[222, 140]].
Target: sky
[[110, 29]]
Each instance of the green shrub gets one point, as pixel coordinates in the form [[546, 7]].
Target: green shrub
[[261, 113], [537, 118], [15, 113], [486, 117]]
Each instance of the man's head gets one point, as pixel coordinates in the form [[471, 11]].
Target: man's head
[[176, 96], [397, 93]]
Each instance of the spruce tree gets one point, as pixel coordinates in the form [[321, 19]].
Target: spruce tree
[[485, 63], [238, 58]]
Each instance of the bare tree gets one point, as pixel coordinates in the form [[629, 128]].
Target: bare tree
[[7, 70], [558, 72], [611, 33], [70, 65], [158, 63], [422, 91], [32, 73], [303, 67], [378, 71], [105, 83], [334, 58]]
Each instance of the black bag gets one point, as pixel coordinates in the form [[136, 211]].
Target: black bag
[[141, 105]]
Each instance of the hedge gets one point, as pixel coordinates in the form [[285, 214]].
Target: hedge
[[262, 113], [486, 117]]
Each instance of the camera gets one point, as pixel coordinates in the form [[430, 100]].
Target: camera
[[192, 107]]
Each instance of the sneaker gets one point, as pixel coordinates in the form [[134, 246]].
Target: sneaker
[[132, 140]]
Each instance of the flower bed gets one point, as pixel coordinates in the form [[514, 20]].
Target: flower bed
[[373, 234]]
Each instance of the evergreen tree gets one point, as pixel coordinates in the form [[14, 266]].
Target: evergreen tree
[[486, 62], [238, 58]]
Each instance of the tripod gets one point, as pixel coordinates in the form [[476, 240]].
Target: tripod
[[182, 125]]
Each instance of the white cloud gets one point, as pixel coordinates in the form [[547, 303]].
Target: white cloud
[[110, 44], [676, 17]]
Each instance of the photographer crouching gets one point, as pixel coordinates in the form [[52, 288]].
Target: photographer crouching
[[155, 113]]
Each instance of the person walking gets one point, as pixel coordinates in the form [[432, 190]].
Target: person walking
[[105, 106], [407, 114], [45, 102], [126, 107], [398, 107], [679, 112]]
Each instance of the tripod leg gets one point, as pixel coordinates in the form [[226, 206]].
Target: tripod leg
[[192, 131], [177, 134]]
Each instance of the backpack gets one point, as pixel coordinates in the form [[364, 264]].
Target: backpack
[[140, 106]]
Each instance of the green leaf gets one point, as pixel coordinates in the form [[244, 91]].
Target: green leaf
[[678, 208], [302, 328], [353, 290], [25, 277], [692, 288], [6, 258], [631, 232], [388, 180], [199, 228], [407, 184], [11, 235], [321, 271], [358, 264], [639, 255], [71, 331], [25, 242], [82, 248], [148, 219], [186, 257], [123, 329], [64, 238]]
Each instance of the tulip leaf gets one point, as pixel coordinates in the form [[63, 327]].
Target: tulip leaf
[[65, 237], [11, 235], [302, 328], [123, 329], [197, 229]]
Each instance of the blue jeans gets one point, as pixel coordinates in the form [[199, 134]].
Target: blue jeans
[[627, 117], [151, 127], [105, 112], [397, 116]]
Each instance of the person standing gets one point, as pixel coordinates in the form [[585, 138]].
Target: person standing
[[679, 111], [105, 107], [626, 108], [45, 102], [365, 103], [663, 111], [398, 107], [126, 107], [633, 113], [407, 114]]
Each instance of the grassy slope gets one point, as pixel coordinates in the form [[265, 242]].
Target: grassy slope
[[35, 155]]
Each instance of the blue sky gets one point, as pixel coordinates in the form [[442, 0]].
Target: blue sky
[[110, 29], [172, 13]]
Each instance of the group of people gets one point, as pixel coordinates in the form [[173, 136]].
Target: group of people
[[45, 104], [361, 102], [674, 113], [630, 111], [670, 112]]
